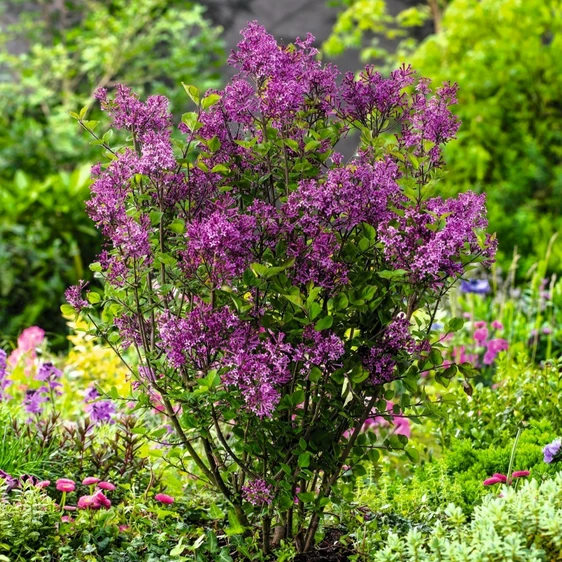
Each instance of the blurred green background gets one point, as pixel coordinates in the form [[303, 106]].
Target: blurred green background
[[53, 55]]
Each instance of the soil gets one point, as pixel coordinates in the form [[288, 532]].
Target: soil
[[329, 550]]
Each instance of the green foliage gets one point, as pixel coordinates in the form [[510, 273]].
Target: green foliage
[[456, 478], [28, 526], [20, 456], [522, 526], [45, 239], [77, 47], [361, 24], [521, 394]]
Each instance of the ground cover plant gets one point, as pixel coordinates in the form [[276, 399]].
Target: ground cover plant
[[269, 287]]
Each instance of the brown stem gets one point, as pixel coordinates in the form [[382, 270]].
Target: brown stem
[[435, 14], [329, 481]]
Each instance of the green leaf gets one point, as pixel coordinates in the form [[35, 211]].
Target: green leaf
[[413, 454], [190, 120], [306, 497], [220, 169], [93, 297], [67, 310], [155, 217], [297, 397], [166, 259], [210, 100], [235, 528], [192, 92], [314, 310], [214, 144], [341, 301], [304, 460], [455, 324], [324, 323], [177, 226], [394, 274]]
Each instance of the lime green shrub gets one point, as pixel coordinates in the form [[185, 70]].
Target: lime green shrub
[[522, 526]]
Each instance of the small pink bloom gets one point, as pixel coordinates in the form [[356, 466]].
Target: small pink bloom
[[480, 324], [101, 500], [69, 508], [491, 481], [43, 484], [164, 498], [501, 477], [106, 486], [66, 519], [123, 528], [497, 325], [481, 334], [65, 485], [402, 426], [520, 473], [85, 502], [90, 480]]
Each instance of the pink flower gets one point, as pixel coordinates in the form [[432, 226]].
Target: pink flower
[[43, 484], [491, 481], [65, 485], [164, 498], [123, 528], [30, 339], [106, 486], [94, 501], [520, 473], [480, 324], [500, 477], [85, 502], [70, 508], [101, 500], [90, 480], [481, 334], [66, 519], [497, 325]]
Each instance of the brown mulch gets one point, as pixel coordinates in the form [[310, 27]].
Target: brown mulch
[[329, 550]]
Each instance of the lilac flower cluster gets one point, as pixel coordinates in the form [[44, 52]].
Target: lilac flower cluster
[[257, 492], [395, 340]]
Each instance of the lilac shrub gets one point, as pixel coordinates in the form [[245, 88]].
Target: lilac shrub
[[270, 286]]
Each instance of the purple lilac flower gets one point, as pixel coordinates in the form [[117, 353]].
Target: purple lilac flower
[[476, 286], [74, 296], [552, 451], [257, 492]]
